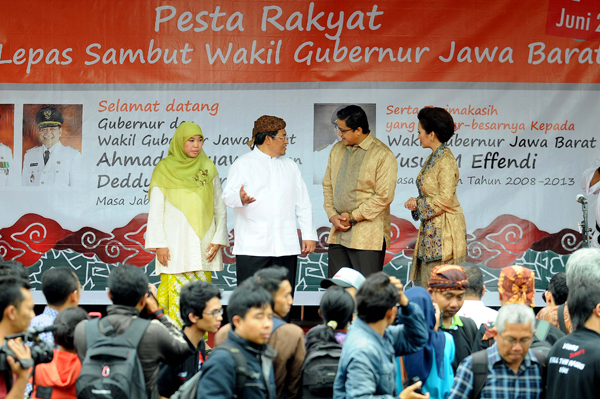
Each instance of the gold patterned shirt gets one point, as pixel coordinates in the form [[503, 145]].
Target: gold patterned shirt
[[361, 180]]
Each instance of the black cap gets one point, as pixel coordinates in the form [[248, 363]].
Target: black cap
[[48, 117]]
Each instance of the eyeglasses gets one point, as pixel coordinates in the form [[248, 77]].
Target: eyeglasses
[[284, 138], [340, 130], [215, 313], [512, 341]]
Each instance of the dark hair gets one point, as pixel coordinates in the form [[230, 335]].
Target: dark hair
[[475, 278], [558, 288], [270, 278], [58, 283], [354, 117], [13, 268], [375, 297], [260, 138], [127, 285], [193, 298], [437, 120], [65, 323], [10, 292], [582, 302], [246, 296], [336, 304]]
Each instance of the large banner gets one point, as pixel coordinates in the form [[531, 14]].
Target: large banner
[[519, 77]]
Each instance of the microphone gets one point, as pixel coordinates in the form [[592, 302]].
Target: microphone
[[581, 199]]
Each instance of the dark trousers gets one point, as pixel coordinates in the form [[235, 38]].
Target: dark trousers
[[365, 261], [246, 266]]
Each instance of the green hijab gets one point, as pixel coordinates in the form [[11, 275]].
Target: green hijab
[[186, 182]]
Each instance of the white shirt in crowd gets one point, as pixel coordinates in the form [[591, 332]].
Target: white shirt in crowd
[[595, 189], [477, 311], [60, 170], [168, 228], [6, 163], [267, 227]]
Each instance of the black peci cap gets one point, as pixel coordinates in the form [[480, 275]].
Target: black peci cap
[[48, 117]]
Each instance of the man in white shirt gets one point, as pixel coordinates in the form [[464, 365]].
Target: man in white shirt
[[473, 306], [6, 160], [590, 183], [51, 163], [267, 194]]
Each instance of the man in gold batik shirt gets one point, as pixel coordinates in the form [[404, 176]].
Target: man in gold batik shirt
[[358, 187]]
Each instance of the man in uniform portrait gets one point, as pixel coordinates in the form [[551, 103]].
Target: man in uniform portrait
[[6, 160], [51, 163]]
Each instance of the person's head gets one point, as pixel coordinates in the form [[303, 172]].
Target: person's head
[[376, 299], [250, 312], [61, 287], [275, 280], [420, 297], [13, 268], [583, 265], [336, 309], [447, 285], [584, 305], [16, 305], [270, 135], [434, 124], [347, 278], [516, 284], [65, 324], [557, 291], [189, 138], [475, 277], [128, 286], [352, 124], [515, 325], [49, 121], [337, 306], [200, 306]]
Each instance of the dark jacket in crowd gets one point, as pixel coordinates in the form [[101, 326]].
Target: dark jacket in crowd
[[218, 379], [170, 378], [162, 342]]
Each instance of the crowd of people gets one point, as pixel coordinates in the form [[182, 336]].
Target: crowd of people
[[377, 338]]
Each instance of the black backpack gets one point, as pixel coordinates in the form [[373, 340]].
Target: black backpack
[[111, 368], [190, 388], [319, 370]]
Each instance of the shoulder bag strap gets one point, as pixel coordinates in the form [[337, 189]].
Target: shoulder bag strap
[[561, 319]]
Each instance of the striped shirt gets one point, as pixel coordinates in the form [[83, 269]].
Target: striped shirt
[[361, 180], [502, 382]]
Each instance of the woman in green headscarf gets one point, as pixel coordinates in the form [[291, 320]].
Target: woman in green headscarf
[[187, 221]]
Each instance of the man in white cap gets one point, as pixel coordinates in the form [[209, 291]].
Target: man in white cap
[[347, 278]]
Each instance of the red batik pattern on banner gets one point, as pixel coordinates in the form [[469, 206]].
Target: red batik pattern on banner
[[496, 246], [576, 19]]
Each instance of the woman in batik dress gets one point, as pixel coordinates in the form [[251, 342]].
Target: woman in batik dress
[[187, 221], [442, 234]]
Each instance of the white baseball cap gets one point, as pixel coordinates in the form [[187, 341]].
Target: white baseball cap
[[345, 277]]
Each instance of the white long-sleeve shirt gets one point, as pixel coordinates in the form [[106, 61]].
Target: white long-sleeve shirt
[[267, 227], [586, 179], [168, 228]]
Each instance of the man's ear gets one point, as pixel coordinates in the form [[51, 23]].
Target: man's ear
[[236, 321], [483, 291], [108, 294], [193, 318], [10, 312]]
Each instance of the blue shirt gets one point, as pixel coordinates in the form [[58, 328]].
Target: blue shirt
[[367, 366], [45, 319], [437, 385], [502, 382]]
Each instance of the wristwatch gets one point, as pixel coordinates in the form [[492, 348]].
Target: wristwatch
[[352, 222]]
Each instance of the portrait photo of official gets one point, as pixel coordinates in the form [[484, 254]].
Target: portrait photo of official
[[7, 139], [51, 144], [325, 133]]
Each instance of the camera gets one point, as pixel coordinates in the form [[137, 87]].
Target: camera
[[41, 351]]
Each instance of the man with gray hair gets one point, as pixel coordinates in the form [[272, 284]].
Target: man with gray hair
[[512, 368]]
